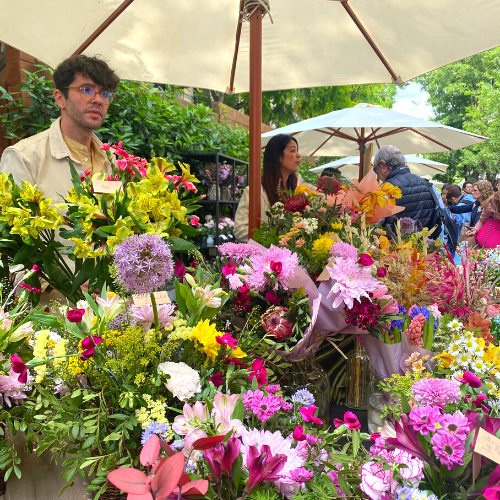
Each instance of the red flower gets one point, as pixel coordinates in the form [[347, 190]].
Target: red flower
[[75, 315], [259, 371], [18, 366], [216, 379], [88, 345], [296, 203], [365, 260], [328, 185], [276, 267], [229, 269], [194, 220], [381, 272], [179, 269], [274, 322], [86, 173], [308, 414], [272, 297], [28, 287]]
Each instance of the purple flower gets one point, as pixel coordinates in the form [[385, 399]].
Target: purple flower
[[455, 424], [414, 311], [238, 251], [177, 444], [407, 225], [424, 419], [303, 397], [429, 391], [334, 476], [449, 449], [143, 263], [161, 430], [249, 397], [471, 379], [301, 475]]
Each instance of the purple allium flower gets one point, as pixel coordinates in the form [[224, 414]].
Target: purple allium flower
[[301, 475], [424, 419], [429, 391], [238, 251], [407, 225], [449, 449], [266, 407], [143, 263], [344, 251], [303, 398], [455, 424], [279, 261], [161, 430]]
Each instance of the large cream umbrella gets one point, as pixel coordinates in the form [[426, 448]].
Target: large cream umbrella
[[203, 43]]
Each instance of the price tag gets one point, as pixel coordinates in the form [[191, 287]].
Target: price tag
[[488, 445], [106, 186], [144, 299]]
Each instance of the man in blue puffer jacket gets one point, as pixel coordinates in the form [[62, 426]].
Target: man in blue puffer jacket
[[390, 166]]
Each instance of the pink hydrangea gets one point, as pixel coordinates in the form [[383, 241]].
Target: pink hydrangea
[[429, 391], [352, 281], [344, 251]]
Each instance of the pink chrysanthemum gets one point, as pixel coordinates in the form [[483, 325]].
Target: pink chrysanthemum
[[429, 391], [343, 251], [301, 475], [279, 261], [449, 449], [455, 424], [352, 282], [11, 391], [265, 407], [424, 419], [238, 251]]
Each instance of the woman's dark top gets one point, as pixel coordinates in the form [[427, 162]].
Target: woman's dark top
[[475, 209]]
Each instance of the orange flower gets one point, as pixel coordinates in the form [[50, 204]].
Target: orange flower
[[476, 321]]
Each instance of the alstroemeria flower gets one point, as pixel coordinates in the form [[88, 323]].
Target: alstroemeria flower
[[89, 316], [225, 401], [145, 314], [186, 423], [263, 466], [18, 366], [190, 186], [308, 414], [88, 345], [111, 307], [5, 321], [21, 332], [259, 371], [208, 297]]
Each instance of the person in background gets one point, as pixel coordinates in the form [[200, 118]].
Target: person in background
[[454, 198], [467, 187], [491, 210], [281, 164], [417, 195], [331, 172], [444, 192], [481, 191]]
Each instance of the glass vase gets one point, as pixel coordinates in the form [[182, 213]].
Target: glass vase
[[358, 378]]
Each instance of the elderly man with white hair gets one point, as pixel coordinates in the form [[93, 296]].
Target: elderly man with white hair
[[417, 197]]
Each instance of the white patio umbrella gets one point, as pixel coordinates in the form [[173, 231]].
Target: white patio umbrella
[[348, 131], [205, 44], [349, 166]]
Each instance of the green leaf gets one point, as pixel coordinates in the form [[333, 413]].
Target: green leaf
[[47, 320], [24, 253], [180, 245], [114, 436], [84, 274]]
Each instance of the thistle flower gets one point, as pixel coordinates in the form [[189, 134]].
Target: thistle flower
[[407, 225], [143, 263]]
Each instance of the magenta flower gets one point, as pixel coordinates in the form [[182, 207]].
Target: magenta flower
[[471, 379], [259, 371], [238, 251], [222, 456], [449, 449], [429, 391], [492, 493], [227, 340], [36, 268], [88, 345], [298, 433], [381, 272], [272, 297], [18, 366], [249, 398], [478, 402], [11, 391], [216, 379], [274, 323], [180, 269], [350, 420], [365, 260], [29, 287], [75, 315], [478, 421], [424, 419], [229, 269], [301, 475], [263, 466], [455, 424], [212, 457], [273, 389], [276, 267], [265, 407], [308, 414]]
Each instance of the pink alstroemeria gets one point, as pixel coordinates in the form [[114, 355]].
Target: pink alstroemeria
[[112, 306], [382, 293], [263, 466], [308, 414], [223, 456], [18, 366], [212, 457], [224, 423], [145, 314], [190, 186], [225, 401], [227, 340], [5, 321], [88, 345], [194, 219], [471, 379], [259, 371], [185, 423], [21, 332]]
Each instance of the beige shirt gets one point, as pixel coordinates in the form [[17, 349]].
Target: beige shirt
[[43, 160], [94, 161]]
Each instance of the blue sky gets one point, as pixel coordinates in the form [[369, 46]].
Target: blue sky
[[411, 100]]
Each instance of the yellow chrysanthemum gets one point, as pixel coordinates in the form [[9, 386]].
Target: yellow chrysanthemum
[[321, 248]]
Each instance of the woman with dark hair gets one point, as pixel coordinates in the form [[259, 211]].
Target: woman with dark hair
[[281, 164]]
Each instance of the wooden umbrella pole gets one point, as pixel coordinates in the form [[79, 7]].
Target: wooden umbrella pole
[[362, 145], [254, 180]]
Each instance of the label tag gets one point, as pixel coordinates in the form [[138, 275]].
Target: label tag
[[144, 299], [106, 186], [488, 445]]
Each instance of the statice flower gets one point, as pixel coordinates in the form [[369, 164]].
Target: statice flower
[[352, 281], [343, 251], [429, 391], [449, 449], [407, 225], [303, 398], [276, 262], [163, 431], [143, 263], [238, 251]]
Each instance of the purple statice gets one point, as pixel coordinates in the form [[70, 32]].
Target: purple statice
[[238, 252], [143, 263], [177, 444], [398, 323], [430, 391], [414, 311], [303, 398], [407, 225], [161, 430]]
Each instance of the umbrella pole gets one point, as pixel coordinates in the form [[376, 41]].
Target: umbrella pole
[[362, 147], [254, 176]]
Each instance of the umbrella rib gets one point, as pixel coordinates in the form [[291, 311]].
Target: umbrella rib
[[430, 139], [319, 147], [339, 134], [370, 41], [102, 27], [236, 50], [357, 133], [434, 168], [369, 137], [392, 132]]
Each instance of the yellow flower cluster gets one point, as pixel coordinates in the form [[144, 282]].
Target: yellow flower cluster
[[387, 195], [178, 330], [321, 248], [60, 350], [40, 351], [155, 412], [337, 226], [76, 365]]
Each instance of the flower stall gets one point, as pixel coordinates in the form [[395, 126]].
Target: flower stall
[[218, 394]]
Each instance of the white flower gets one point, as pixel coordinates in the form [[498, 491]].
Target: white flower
[[88, 317], [184, 382], [455, 324], [111, 307]]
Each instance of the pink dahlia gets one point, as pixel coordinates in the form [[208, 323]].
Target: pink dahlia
[[424, 419], [449, 449], [343, 251], [455, 424], [429, 391], [275, 324], [278, 262], [352, 281], [238, 251]]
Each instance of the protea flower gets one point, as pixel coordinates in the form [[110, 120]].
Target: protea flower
[[274, 322], [296, 203], [329, 185]]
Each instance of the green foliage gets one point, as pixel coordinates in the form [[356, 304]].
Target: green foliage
[[150, 121]]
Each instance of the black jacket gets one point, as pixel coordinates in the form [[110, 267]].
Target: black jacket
[[473, 208], [416, 197]]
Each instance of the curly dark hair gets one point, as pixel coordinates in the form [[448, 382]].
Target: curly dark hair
[[93, 67]]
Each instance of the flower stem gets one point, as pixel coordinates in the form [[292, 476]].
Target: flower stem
[[155, 310]]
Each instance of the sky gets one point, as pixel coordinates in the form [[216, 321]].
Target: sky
[[411, 100]]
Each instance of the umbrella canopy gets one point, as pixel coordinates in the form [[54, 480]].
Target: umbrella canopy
[[310, 43], [349, 166]]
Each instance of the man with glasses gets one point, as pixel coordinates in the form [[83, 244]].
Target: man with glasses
[[84, 91]]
